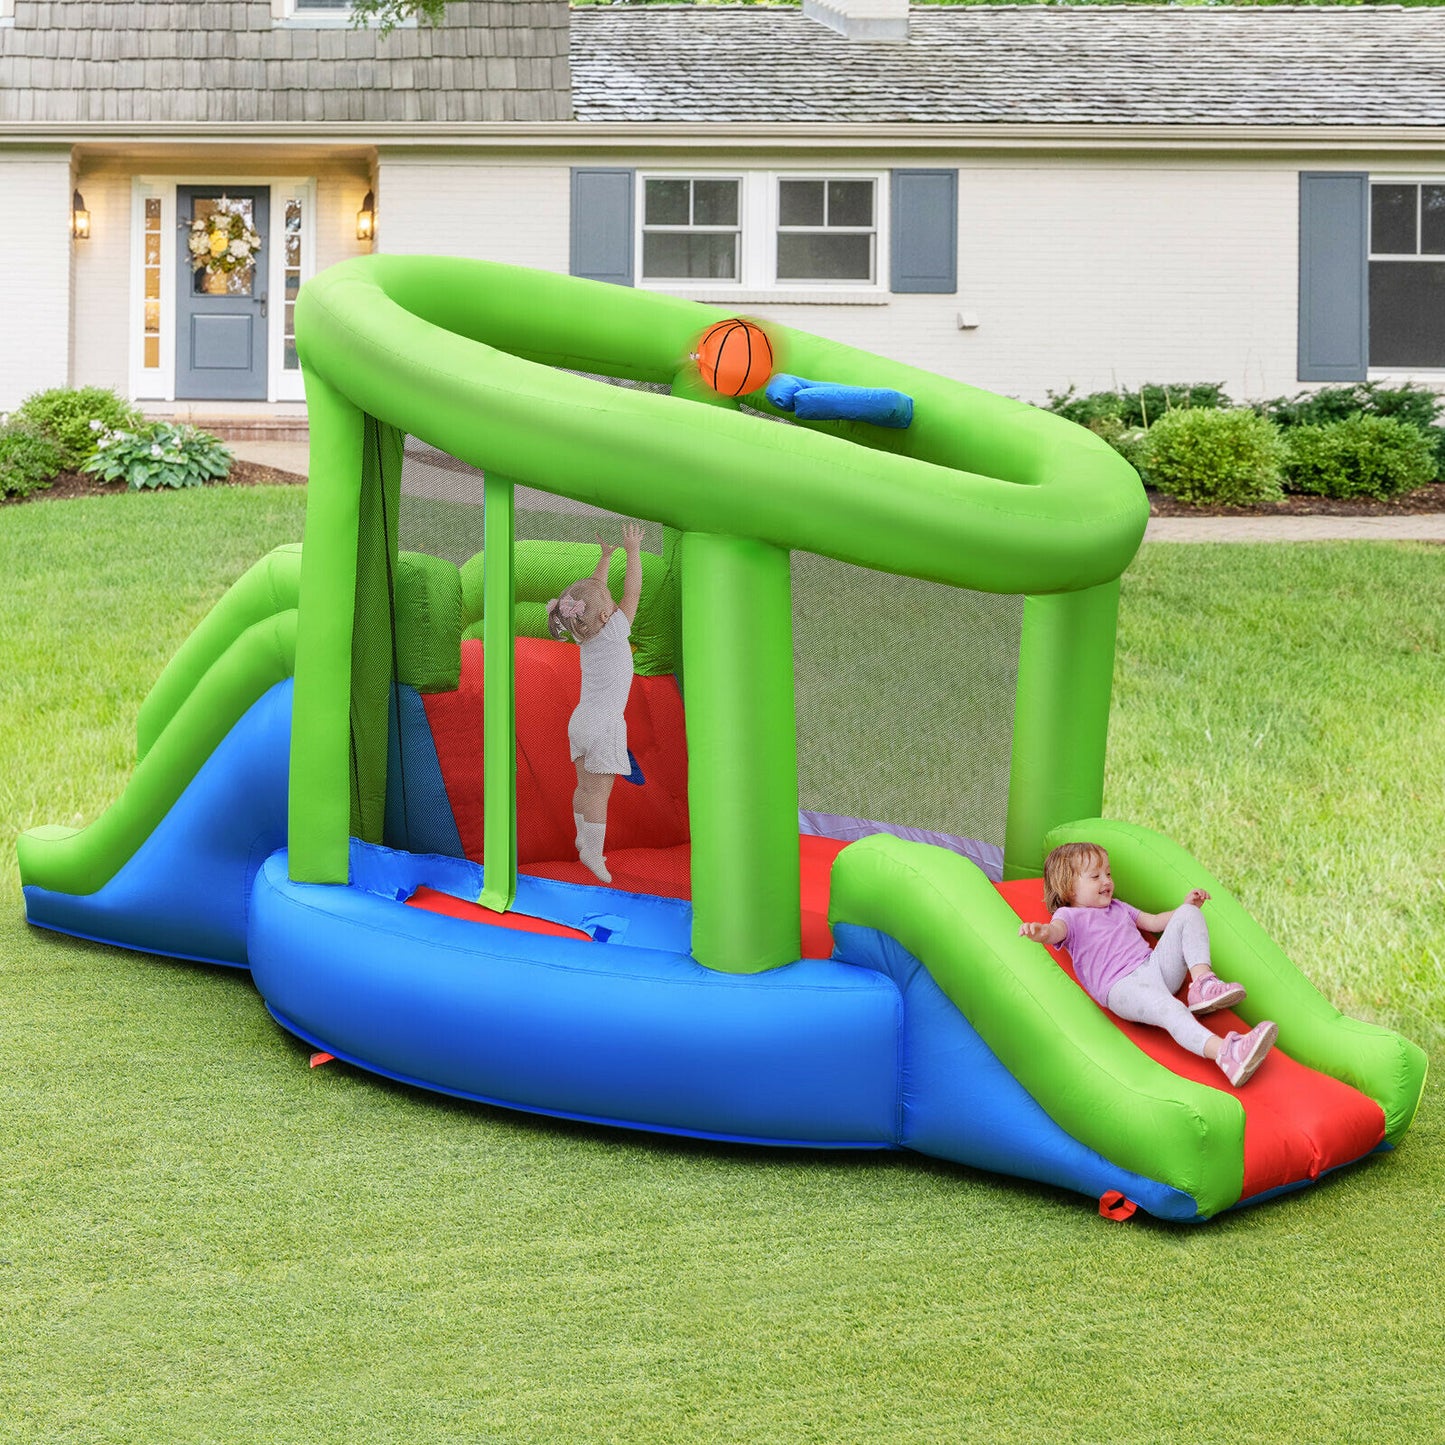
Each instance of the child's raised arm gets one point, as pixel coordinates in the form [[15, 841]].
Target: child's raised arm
[[599, 572], [632, 580]]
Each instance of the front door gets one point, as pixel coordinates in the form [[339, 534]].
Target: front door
[[221, 303]]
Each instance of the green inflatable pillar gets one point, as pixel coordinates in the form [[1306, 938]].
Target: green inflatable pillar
[[499, 722], [742, 748], [1061, 719], [319, 805]]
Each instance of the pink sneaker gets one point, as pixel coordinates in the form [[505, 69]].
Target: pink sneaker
[[1241, 1054], [1209, 994]]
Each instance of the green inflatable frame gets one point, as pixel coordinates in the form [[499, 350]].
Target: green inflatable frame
[[980, 492]]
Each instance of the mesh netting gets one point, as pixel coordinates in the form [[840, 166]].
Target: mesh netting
[[904, 689], [905, 699]]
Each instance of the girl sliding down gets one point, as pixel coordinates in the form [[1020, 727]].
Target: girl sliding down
[[597, 730], [1118, 970]]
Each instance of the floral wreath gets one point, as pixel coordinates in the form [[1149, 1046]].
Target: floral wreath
[[222, 241]]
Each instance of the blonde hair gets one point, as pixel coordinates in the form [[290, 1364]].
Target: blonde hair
[[1062, 868], [592, 596]]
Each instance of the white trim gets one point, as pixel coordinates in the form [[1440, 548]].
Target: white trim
[[757, 281], [293, 15], [159, 384]]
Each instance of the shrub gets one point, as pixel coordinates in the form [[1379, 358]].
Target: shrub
[[65, 415], [1230, 458], [29, 459], [1141, 408], [1361, 456], [159, 455], [1417, 406]]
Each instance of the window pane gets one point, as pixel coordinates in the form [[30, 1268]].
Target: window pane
[[715, 203], [1392, 220], [825, 258], [1407, 313], [850, 203], [800, 203], [152, 352], [1432, 220], [667, 203], [681, 256], [153, 210]]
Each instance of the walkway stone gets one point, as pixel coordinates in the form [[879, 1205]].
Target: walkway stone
[[1426, 527]]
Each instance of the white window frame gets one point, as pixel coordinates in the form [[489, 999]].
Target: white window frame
[[758, 209], [159, 383], [685, 282], [1433, 375], [295, 15]]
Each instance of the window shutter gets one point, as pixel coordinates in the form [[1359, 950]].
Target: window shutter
[[602, 225], [1334, 250], [925, 231]]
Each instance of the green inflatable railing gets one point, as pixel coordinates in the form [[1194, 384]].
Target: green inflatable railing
[[979, 492]]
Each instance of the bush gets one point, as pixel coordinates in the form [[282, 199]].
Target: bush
[[1229, 458], [29, 459], [159, 455], [1417, 406], [1361, 456], [66, 414], [1135, 410]]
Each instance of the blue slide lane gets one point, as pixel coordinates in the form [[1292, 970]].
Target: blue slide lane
[[186, 890], [961, 1103]]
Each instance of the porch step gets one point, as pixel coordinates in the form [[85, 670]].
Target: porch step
[[233, 428]]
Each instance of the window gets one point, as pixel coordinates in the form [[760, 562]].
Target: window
[[760, 230], [291, 284], [690, 229], [1407, 275], [151, 272], [825, 230]]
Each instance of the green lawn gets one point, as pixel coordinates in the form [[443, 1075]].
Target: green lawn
[[201, 1240]]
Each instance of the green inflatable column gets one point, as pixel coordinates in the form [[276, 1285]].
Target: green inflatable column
[[319, 820], [1061, 719], [499, 721], [742, 748]]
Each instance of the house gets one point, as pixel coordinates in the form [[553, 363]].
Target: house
[[1020, 197]]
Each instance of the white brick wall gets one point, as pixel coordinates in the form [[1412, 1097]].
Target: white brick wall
[[1102, 275], [517, 214], [102, 284], [34, 274]]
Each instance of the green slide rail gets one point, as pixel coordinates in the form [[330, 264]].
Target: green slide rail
[[1088, 1076], [477, 359], [242, 648]]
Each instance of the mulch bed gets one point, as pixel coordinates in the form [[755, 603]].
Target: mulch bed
[[78, 484], [1426, 500]]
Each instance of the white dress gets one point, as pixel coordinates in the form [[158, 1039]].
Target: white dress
[[597, 730]]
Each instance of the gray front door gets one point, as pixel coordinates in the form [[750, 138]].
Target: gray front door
[[221, 315]]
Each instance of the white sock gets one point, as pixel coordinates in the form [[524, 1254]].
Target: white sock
[[589, 850], [577, 841]]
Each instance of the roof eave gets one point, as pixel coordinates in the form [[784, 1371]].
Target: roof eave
[[735, 137]]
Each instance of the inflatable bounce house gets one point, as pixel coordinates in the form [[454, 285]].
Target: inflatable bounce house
[[873, 671]]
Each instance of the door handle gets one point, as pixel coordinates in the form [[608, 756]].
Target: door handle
[[263, 306]]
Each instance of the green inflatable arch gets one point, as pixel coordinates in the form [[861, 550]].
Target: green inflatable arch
[[475, 358]]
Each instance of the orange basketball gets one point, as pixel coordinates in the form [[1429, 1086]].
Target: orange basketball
[[735, 357]]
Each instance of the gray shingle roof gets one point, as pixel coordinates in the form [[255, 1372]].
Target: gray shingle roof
[[1153, 65], [224, 60]]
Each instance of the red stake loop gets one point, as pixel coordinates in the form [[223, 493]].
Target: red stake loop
[[318, 1059], [1113, 1205]]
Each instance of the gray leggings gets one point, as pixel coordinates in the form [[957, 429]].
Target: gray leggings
[[1146, 996]]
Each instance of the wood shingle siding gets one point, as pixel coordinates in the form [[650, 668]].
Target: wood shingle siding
[[153, 62]]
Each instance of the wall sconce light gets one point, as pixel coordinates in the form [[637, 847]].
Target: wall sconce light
[[79, 218], [366, 219]]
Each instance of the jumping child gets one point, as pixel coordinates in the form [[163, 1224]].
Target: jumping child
[[1118, 969], [597, 730]]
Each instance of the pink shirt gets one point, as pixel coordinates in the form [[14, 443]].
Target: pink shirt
[[1105, 945]]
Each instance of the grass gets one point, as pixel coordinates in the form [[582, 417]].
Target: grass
[[202, 1240]]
